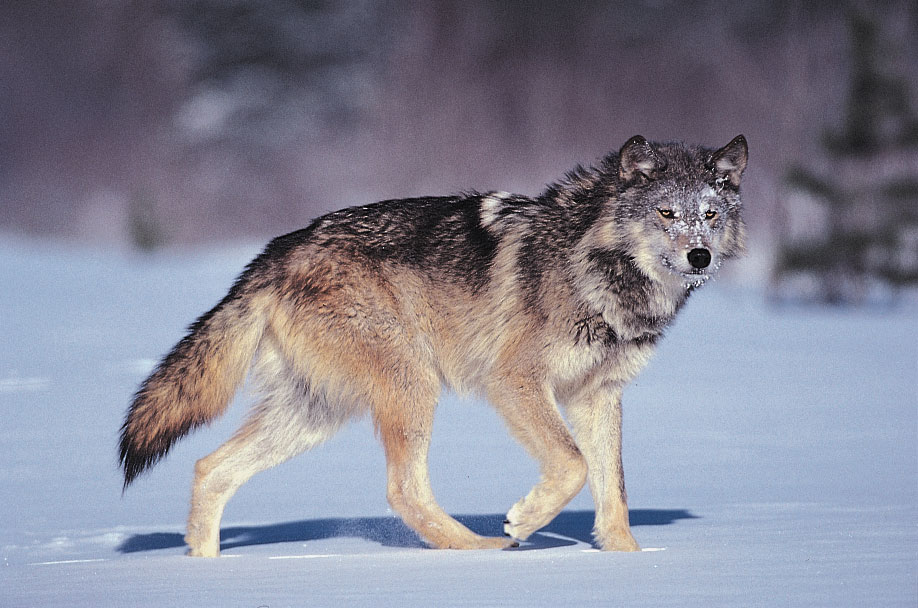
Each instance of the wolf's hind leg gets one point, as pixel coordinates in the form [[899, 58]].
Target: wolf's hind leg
[[405, 424], [534, 419], [270, 436]]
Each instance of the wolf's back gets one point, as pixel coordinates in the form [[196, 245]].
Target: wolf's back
[[195, 382]]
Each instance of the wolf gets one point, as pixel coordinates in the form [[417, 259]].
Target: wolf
[[546, 306]]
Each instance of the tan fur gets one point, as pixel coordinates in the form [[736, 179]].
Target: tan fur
[[211, 374], [366, 351], [351, 317]]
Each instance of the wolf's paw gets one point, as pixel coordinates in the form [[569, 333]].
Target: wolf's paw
[[478, 542], [196, 552], [617, 540], [520, 523], [199, 548], [496, 542]]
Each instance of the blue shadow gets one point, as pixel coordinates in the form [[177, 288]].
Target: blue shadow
[[568, 528]]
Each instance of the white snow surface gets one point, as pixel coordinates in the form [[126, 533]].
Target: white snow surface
[[770, 455]]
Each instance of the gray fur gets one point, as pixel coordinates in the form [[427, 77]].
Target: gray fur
[[536, 303]]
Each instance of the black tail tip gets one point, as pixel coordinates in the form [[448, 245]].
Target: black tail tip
[[133, 461], [129, 477], [130, 473]]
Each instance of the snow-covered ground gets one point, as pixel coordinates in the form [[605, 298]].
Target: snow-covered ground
[[770, 456]]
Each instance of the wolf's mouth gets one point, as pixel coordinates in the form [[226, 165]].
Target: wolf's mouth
[[696, 276]]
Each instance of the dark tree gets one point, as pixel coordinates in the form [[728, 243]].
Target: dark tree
[[861, 241]]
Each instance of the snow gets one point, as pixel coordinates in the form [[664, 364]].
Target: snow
[[770, 455]]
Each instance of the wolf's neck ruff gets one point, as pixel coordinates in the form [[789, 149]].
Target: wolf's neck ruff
[[634, 306], [534, 303]]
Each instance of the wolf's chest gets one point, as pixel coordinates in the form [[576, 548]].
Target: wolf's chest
[[631, 330], [592, 347]]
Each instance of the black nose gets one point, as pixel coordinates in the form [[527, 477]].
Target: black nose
[[699, 258]]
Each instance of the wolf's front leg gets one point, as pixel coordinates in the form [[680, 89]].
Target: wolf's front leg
[[532, 416], [597, 421], [404, 426]]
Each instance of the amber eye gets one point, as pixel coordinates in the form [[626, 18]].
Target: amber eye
[[666, 214], [710, 214]]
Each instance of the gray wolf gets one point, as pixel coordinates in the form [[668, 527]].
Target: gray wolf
[[540, 305]]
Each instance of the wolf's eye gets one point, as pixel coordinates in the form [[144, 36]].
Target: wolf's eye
[[666, 214], [710, 214]]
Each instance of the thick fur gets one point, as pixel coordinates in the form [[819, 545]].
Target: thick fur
[[537, 304]]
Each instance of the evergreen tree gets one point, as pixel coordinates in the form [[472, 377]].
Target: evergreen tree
[[867, 188]]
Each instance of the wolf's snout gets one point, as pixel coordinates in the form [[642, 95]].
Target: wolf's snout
[[699, 258]]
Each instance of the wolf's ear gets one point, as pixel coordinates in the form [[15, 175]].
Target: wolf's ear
[[730, 161], [638, 159]]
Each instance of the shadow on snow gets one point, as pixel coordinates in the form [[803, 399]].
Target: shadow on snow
[[568, 528]]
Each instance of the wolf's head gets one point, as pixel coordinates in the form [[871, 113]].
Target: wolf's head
[[679, 207]]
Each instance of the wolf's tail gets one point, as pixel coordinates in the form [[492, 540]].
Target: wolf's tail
[[194, 383]]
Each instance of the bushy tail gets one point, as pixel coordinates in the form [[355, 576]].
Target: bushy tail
[[193, 384]]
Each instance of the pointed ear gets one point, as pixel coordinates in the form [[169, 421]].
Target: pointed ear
[[638, 159], [730, 161]]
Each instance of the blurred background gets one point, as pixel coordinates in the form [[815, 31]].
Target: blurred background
[[144, 125]]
